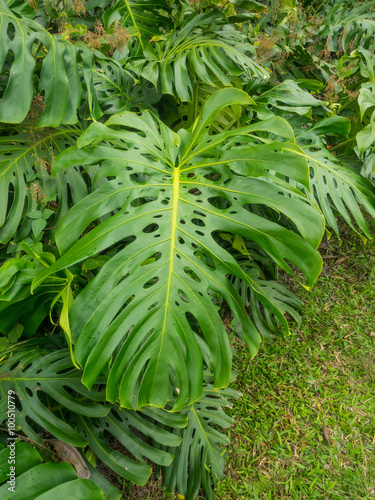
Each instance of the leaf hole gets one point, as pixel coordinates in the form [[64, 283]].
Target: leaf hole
[[220, 202], [215, 177], [195, 192], [152, 306], [192, 274], [198, 222], [151, 228], [150, 260], [142, 201], [183, 296], [151, 282]]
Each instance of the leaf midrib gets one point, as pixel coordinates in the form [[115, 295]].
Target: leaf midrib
[[175, 204]]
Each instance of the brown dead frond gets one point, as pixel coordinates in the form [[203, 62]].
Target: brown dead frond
[[37, 193], [33, 4], [44, 164], [116, 40], [38, 106], [78, 7]]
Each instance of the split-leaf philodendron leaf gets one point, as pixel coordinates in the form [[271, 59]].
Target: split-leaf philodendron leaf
[[169, 194], [42, 377]]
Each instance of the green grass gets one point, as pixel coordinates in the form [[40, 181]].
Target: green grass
[[305, 426]]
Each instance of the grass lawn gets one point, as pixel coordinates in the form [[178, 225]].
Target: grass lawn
[[305, 425]]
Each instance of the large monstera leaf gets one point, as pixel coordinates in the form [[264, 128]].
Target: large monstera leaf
[[35, 374], [268, 321], [168, 196], [143, 18], [119, 90], [49, 395], [349, 26], [24, 46], [337, 187], [178, 115], [126, 426], [179, 58], [26, 184], [199, 461]]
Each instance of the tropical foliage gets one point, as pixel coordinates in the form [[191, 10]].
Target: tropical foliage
[[160, 163]]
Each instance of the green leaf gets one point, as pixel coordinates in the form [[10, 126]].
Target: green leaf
[[183, 56], [44, 377], [346, 25], [59, 80], [182, 115], [83, 489], [120, 424], [21, 155], [17, 304], [146, 18], [26, 456], [39, 479], [366, 137], [34, 214], [47, 213], [338, 187], [335, 125], [169, 195], [249, 5], [366, 98], [36, 372], [199, 461], [37, 226], [119, 90], [15, 333], [4, 342], [90, 264], [47, 481], [278, 298], [289, 97]]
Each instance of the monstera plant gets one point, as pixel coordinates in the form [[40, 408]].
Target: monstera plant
[[153, 175]]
